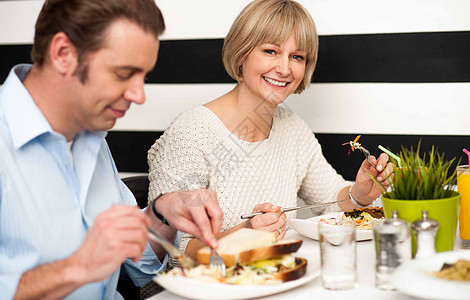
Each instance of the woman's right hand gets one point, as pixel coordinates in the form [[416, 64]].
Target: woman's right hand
[[273, 219]]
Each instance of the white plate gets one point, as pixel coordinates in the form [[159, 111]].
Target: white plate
[[197, 289], [309, 227], [412, 278]]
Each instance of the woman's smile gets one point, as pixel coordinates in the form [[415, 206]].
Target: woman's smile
[[275, 82]]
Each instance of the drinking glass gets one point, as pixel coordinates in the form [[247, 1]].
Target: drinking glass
[[463, 185], [338, 254]]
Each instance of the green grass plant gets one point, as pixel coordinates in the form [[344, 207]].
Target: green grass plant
[[422, 177]]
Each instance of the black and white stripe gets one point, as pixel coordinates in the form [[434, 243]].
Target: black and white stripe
[[394, 72]]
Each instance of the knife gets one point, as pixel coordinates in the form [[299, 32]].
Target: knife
[[184, 260], [249, 216]]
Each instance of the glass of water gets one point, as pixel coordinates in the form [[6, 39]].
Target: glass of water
[[338, 254]]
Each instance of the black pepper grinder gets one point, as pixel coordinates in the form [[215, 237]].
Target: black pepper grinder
[[425, 231]]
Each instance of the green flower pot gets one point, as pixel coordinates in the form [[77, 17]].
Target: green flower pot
[[445, 211]]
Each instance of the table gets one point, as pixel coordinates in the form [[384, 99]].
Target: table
[[313, 290]]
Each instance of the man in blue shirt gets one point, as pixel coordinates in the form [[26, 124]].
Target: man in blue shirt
[[67, 222]]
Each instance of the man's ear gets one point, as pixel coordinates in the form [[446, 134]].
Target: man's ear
[[62, 54]]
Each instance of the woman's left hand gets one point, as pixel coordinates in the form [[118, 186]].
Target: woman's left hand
[[273, 220], [365, 189]]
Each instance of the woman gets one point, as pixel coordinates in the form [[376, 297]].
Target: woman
[[256, 154]]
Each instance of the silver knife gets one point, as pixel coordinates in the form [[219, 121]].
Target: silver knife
[[184, 260], [249, 216]]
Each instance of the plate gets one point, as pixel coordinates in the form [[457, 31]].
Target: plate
[[309, 227], [412, 278], [197, 289]]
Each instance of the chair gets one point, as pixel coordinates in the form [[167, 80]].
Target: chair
[[139, 186]]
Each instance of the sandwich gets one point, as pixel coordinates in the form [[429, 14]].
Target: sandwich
[[251, 257]]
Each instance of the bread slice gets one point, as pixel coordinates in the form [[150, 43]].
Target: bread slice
[[248, 245], [293, 274]]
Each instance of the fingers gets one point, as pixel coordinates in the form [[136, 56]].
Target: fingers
[[266, 207], [280, 232], [388, 174], [214, 211], [269, 221], [117, 233], [196, 212], [381, 165], [203, 223], [187, 225]]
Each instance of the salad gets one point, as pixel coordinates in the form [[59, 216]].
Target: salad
[[363, 217]]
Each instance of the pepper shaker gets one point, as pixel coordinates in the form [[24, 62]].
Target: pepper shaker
[[392, 247], [425, 231]]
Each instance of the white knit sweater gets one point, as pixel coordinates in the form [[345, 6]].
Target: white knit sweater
[[198, 151]]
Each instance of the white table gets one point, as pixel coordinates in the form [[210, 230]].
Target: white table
[[313, 290]]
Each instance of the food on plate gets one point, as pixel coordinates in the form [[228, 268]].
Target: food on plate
[[251, 257], [367, 213], [361, 216], [364, 216], [460, 270]]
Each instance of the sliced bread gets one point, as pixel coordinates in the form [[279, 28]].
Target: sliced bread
[[248, 245]]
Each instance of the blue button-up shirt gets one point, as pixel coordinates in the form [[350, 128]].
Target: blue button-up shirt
[[48, 198]]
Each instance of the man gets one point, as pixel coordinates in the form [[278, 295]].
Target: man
[[67, 222]]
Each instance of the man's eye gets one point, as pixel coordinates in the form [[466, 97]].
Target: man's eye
[[124, 76]]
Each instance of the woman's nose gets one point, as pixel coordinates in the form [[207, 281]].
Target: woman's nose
[[283, 67]]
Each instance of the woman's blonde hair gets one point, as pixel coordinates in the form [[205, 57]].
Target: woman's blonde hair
[[270, 21]]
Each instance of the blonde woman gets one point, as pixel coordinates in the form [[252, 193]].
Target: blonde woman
[[253, 151]]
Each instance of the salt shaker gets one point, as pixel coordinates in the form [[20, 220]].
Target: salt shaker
[[425, 231], [392, 247]]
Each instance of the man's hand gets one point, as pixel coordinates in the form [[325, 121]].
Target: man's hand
[[196, 212], [117, 233]]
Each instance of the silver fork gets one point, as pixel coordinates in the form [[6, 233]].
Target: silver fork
[[216, 262], [367, 155]]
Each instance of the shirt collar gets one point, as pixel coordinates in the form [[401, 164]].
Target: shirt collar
[[23, 117]]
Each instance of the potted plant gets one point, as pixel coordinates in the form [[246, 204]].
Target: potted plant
[[424, 183]]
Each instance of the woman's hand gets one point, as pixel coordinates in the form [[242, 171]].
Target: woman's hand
[[274, 220], [365, 190]]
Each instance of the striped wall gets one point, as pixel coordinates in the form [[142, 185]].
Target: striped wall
[[396, 72]]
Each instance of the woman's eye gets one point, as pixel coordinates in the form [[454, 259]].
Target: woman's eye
[[298, 57], [269, 51]]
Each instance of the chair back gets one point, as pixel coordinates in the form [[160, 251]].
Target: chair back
[[139, 186]]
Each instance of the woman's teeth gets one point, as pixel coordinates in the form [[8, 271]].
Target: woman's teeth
[[274, 82]]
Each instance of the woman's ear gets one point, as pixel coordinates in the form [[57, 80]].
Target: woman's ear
[[62, 54]]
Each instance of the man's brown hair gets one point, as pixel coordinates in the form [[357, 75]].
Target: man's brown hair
[[85, 23]]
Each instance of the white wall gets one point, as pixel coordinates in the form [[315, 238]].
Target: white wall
[[437, 108]]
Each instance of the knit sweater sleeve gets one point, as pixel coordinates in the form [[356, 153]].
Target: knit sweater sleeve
[[321, 182], [176, 160]]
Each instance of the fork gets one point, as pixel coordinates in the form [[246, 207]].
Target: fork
[[367, 155], [216, 262]]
